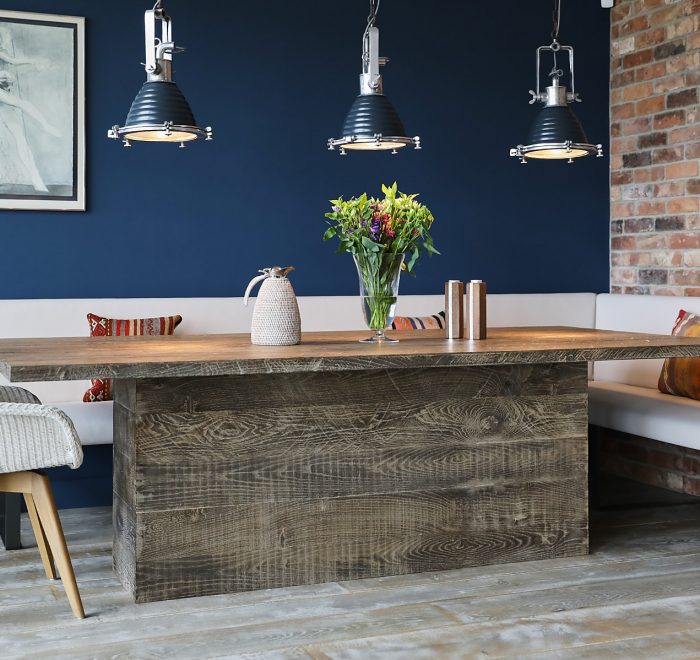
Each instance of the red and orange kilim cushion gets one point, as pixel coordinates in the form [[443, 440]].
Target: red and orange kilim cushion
[[100, 326], [681, 376], [434, 322]]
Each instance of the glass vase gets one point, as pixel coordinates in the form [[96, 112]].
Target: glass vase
[[379, 289]]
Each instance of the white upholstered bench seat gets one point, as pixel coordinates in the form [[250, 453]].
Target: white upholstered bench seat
[[645, 412], [623, 395], [92, 421]]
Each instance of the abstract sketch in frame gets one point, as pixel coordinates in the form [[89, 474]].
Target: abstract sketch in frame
[[42, 111]]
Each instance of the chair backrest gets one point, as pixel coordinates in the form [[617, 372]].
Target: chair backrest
[[33, 437]]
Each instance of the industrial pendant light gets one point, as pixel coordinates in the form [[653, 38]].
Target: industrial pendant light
[[160, 112], [556, 132], [372, 124]]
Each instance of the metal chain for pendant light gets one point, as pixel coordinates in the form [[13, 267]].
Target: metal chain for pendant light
[[556, 19], [371, 21], [372, 18], [373, 9]]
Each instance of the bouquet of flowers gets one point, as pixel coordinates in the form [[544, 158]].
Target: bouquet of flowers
[[385, 236]]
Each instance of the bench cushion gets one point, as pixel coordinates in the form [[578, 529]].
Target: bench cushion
[[101, 388], [645, 412], [681, 376], [66, 318], [92, 422], [654, 314], [408, 323]]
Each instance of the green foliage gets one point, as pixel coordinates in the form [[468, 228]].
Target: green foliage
[[396, 224]]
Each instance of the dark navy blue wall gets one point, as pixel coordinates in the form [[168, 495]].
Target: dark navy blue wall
[[89, 485], [275, 78]]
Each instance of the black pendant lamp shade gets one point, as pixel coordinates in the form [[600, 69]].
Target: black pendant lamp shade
[[160, 112], [556, 124], [556, 132], [371, 115], [372, 123], [162, 105]]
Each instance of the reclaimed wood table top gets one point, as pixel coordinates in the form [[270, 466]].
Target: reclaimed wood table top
[[74, 358]]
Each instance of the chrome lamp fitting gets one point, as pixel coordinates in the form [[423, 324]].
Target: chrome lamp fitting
[[556, 133], [372, 123], [160, 112]]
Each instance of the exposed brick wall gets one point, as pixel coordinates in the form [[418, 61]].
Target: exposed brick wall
[[656, 463], [655, 147], [654, 191]]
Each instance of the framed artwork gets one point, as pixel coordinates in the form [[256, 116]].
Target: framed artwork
[[42, 111]]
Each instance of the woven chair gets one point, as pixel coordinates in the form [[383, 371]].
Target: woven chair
[[33, 436]]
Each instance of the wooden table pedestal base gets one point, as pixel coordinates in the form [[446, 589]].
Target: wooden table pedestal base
[[232, 483]]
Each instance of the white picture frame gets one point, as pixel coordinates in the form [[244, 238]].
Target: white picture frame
[[42, 112]]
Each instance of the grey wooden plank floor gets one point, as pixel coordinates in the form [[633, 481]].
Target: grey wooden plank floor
[[637, 595]]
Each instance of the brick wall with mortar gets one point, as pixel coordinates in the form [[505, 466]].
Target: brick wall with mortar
[[655, 147], [654, 190], [649, 461]]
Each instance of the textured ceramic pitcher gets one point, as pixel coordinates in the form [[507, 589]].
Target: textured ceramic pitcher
[[276, 320]]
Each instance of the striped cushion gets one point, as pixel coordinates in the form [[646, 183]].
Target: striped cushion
[[434, 322], [100, 326], [681, 376]]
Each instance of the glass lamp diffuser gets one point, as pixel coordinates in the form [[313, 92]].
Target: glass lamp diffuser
[[160, 112], [372, 123], [556, 133]]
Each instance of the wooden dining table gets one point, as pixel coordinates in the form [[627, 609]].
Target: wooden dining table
[[240, 467]]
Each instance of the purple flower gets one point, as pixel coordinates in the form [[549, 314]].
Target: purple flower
[[336, 209], [374, 230]]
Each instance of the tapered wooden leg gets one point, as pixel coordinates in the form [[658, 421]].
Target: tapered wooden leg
[[47, 528], [50, 522], [41, 541]]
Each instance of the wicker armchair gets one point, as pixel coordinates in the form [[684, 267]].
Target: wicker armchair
[[33, 436]]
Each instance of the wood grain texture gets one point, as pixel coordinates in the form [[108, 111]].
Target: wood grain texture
[[125, 543], [360, 425], [62, 358], [237, 483], [214, 393], [565, 631], [276, 477], [639, 600], [229, 549], [123, 503], [315, 445]]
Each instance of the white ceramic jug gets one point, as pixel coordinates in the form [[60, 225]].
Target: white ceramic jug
[[276, 320]]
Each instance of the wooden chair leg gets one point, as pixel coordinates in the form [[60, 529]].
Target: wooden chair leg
[[48, 517], [41, 541]]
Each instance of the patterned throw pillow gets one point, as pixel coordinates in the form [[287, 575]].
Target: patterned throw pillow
[[435, 322], [101, 389], [681, 376]]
